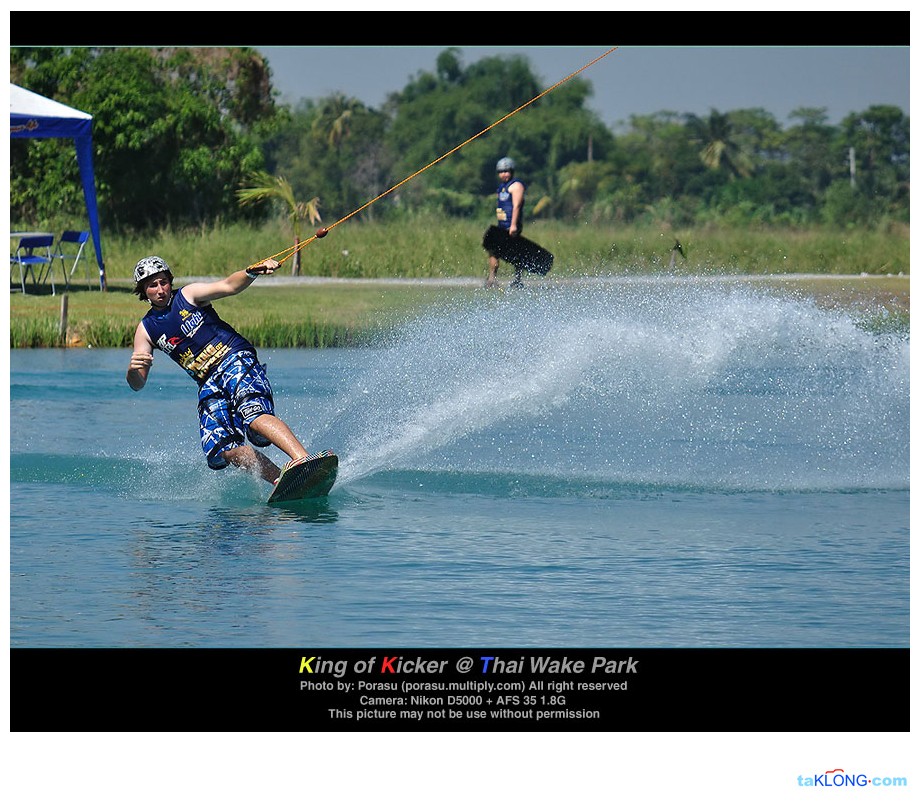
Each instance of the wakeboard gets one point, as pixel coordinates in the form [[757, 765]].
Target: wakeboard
[[520, 252], [313, 477]]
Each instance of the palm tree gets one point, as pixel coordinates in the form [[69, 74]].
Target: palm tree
[[719, 147], [334, 120], [265, 186]]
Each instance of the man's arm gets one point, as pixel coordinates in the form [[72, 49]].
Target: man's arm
[[517, 202], [141, 359], [202, 293]]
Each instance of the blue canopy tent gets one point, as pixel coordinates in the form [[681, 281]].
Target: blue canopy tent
[[33, 115]]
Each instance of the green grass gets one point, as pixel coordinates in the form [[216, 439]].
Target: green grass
[[280, 316], [319, 315], [452, 248]]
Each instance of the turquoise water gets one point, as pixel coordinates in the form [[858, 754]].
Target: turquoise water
[[655, 466]]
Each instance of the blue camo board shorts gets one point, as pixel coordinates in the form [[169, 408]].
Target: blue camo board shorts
[[232, 397]]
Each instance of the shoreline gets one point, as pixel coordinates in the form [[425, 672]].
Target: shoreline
[[316, 311], [474, 282], [891, 291]]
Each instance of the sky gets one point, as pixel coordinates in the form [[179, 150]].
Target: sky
[[680, 57], [630, 80]]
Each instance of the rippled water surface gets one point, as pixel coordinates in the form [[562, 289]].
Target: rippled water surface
[[665, 466]]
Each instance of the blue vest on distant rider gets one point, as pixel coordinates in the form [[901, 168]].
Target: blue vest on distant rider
[[505, 205], [197, 339]]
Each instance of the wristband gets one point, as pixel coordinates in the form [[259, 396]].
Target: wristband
[[251, 274]]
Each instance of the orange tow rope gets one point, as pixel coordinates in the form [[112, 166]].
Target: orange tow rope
[[323, 231]]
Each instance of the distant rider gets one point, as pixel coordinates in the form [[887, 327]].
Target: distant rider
[[509, 211]]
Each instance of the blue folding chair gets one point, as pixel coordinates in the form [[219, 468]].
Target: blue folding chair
[[28, 256], [69, 250]]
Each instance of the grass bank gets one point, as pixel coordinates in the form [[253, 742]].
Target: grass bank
[[270, 316], [339, 313], [449, 248], [350, 313]]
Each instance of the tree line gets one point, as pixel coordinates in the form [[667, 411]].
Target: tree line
[[181, 133]]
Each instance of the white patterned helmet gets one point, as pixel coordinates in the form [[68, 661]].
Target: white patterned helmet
[[504, 164], [148, 266]]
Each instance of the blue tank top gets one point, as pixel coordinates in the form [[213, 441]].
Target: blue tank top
[[197, 339], [506, 206]]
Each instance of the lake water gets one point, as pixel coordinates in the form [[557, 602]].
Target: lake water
[[658, 465]]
